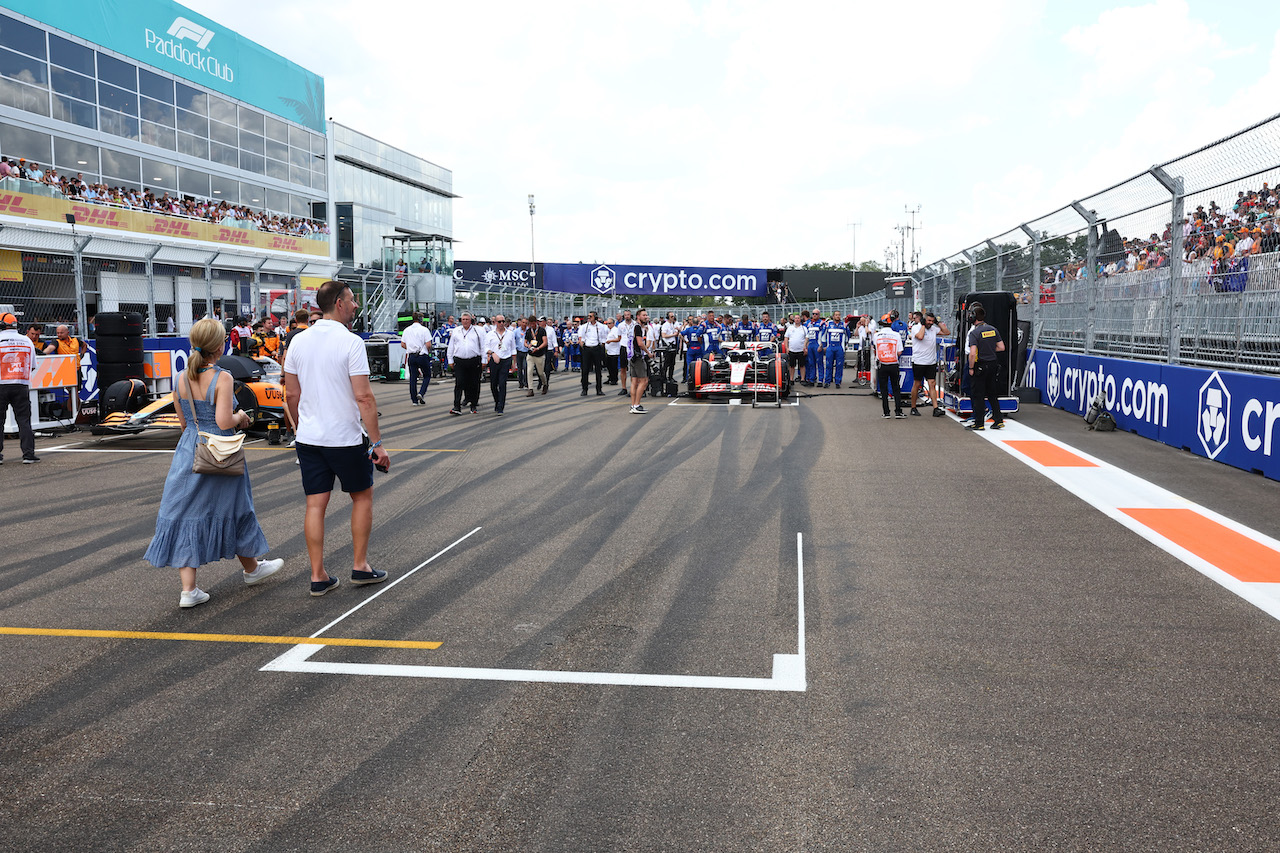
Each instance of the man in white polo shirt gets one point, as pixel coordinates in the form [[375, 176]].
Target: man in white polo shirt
[[415, 340], [796, 335], [327, 390]]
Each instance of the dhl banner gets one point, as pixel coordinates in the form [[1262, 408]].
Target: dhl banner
[[144, 222]]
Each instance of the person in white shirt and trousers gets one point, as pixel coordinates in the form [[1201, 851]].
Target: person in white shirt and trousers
[[465, 354], [499, 349], [416, 341]]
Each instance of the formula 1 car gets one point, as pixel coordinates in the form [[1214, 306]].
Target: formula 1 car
[[743, 369], [259, 390]]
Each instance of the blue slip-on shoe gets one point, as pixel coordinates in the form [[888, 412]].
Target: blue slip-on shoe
[[373, 576], [321, 587]]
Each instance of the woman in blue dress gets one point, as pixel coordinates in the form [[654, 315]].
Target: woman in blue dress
[[204, 517]]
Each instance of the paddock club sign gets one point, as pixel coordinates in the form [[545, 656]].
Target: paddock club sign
[[621, 280]]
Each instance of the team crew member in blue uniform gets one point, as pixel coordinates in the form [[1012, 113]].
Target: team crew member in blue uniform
[[766, 332], [813, 361], [714, 333], [744, 329], [831, 343], [440, 342], [984, 370], [695, 343]]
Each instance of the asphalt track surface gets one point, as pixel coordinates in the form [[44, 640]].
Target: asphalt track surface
[[990, 664]]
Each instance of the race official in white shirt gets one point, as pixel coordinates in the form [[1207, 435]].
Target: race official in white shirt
[[466, 355], [591, 336], [415, 340], [499, 350]]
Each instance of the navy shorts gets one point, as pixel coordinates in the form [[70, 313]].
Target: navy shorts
[[351, 465]]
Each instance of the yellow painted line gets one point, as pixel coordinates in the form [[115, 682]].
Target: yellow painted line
[[219, 638]]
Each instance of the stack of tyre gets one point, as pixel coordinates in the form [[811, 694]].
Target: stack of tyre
[[119, 347]]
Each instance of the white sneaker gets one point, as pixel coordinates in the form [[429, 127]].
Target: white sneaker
[[632, 410], [266, 568], [191, 599]]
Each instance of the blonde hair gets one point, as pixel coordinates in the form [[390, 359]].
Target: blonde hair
[[207, 339]]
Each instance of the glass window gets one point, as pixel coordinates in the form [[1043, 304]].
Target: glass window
[[117, 164], [192, 99], [277, 202], [158, 135], [76, 112], [120, 125], [252, 194], [277, 170], [251, 162], [299, 176], [193, 181], [224, 189], [68, 54], [75, 85], [117, 99], [157, 112], [33, 99], [252, 142], [277, 130], [317, 180], [319, 164], [251, 120], [20, 142], [71, 156], [117, 72], [23, 37], [157, 174], [222, 109], [23, 68], [299, 138], [193, 123], [300, 157], [299, 206], [278, 150], [224, 133], [193, 146], [224, 154], [317, 144], [155, 86]]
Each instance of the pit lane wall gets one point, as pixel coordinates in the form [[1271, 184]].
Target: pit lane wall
[[1230, 417]]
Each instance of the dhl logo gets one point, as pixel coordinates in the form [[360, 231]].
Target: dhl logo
[[171, 228], [11, 203], [287, 243], [234, 235], [100, 217]]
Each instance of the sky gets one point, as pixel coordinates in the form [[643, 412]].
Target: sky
[[765, 134]]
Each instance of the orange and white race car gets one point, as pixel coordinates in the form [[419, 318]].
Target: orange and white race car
[[744, 369]]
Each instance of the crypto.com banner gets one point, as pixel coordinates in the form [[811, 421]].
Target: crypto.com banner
[[610, 279], [1219, 414]]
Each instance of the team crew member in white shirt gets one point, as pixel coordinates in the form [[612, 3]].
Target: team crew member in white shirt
[[466, 356], [669, 346], [553, 347], [326, 380], [612, 347], [499, 350], [17, 359], [924, 361], [623, 332], [797, 337], [591, 336], [416, 341]]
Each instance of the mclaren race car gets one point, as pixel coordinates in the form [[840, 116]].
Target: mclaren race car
[[259, 390], [743, 369]]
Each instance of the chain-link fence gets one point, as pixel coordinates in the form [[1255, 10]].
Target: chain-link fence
[[1180, 263]]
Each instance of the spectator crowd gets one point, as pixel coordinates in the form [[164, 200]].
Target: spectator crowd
[[190, 207]]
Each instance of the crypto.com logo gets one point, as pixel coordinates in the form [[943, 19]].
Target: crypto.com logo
[[181, 29], [603, 279], [1053, 381], [1213, 417]]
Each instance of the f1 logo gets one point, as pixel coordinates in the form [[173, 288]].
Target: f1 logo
[[181, 29]]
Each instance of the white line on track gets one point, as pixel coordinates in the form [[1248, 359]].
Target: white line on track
[[788, 674]]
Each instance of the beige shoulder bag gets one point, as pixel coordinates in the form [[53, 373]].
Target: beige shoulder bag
[[216, 454]]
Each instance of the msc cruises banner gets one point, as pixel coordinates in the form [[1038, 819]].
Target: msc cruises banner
[[173, 38], [654, 281], [1218, 414], [498, 272]]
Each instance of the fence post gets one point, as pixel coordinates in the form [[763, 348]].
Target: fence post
[[951, 288], [82, 308], [151, 292], [1035, 280], [999, 265], [208, 284], [1090, 273], [1177, 211], [257, 290], [973, 270]]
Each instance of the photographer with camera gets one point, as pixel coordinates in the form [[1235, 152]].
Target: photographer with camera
[[924, 360]]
